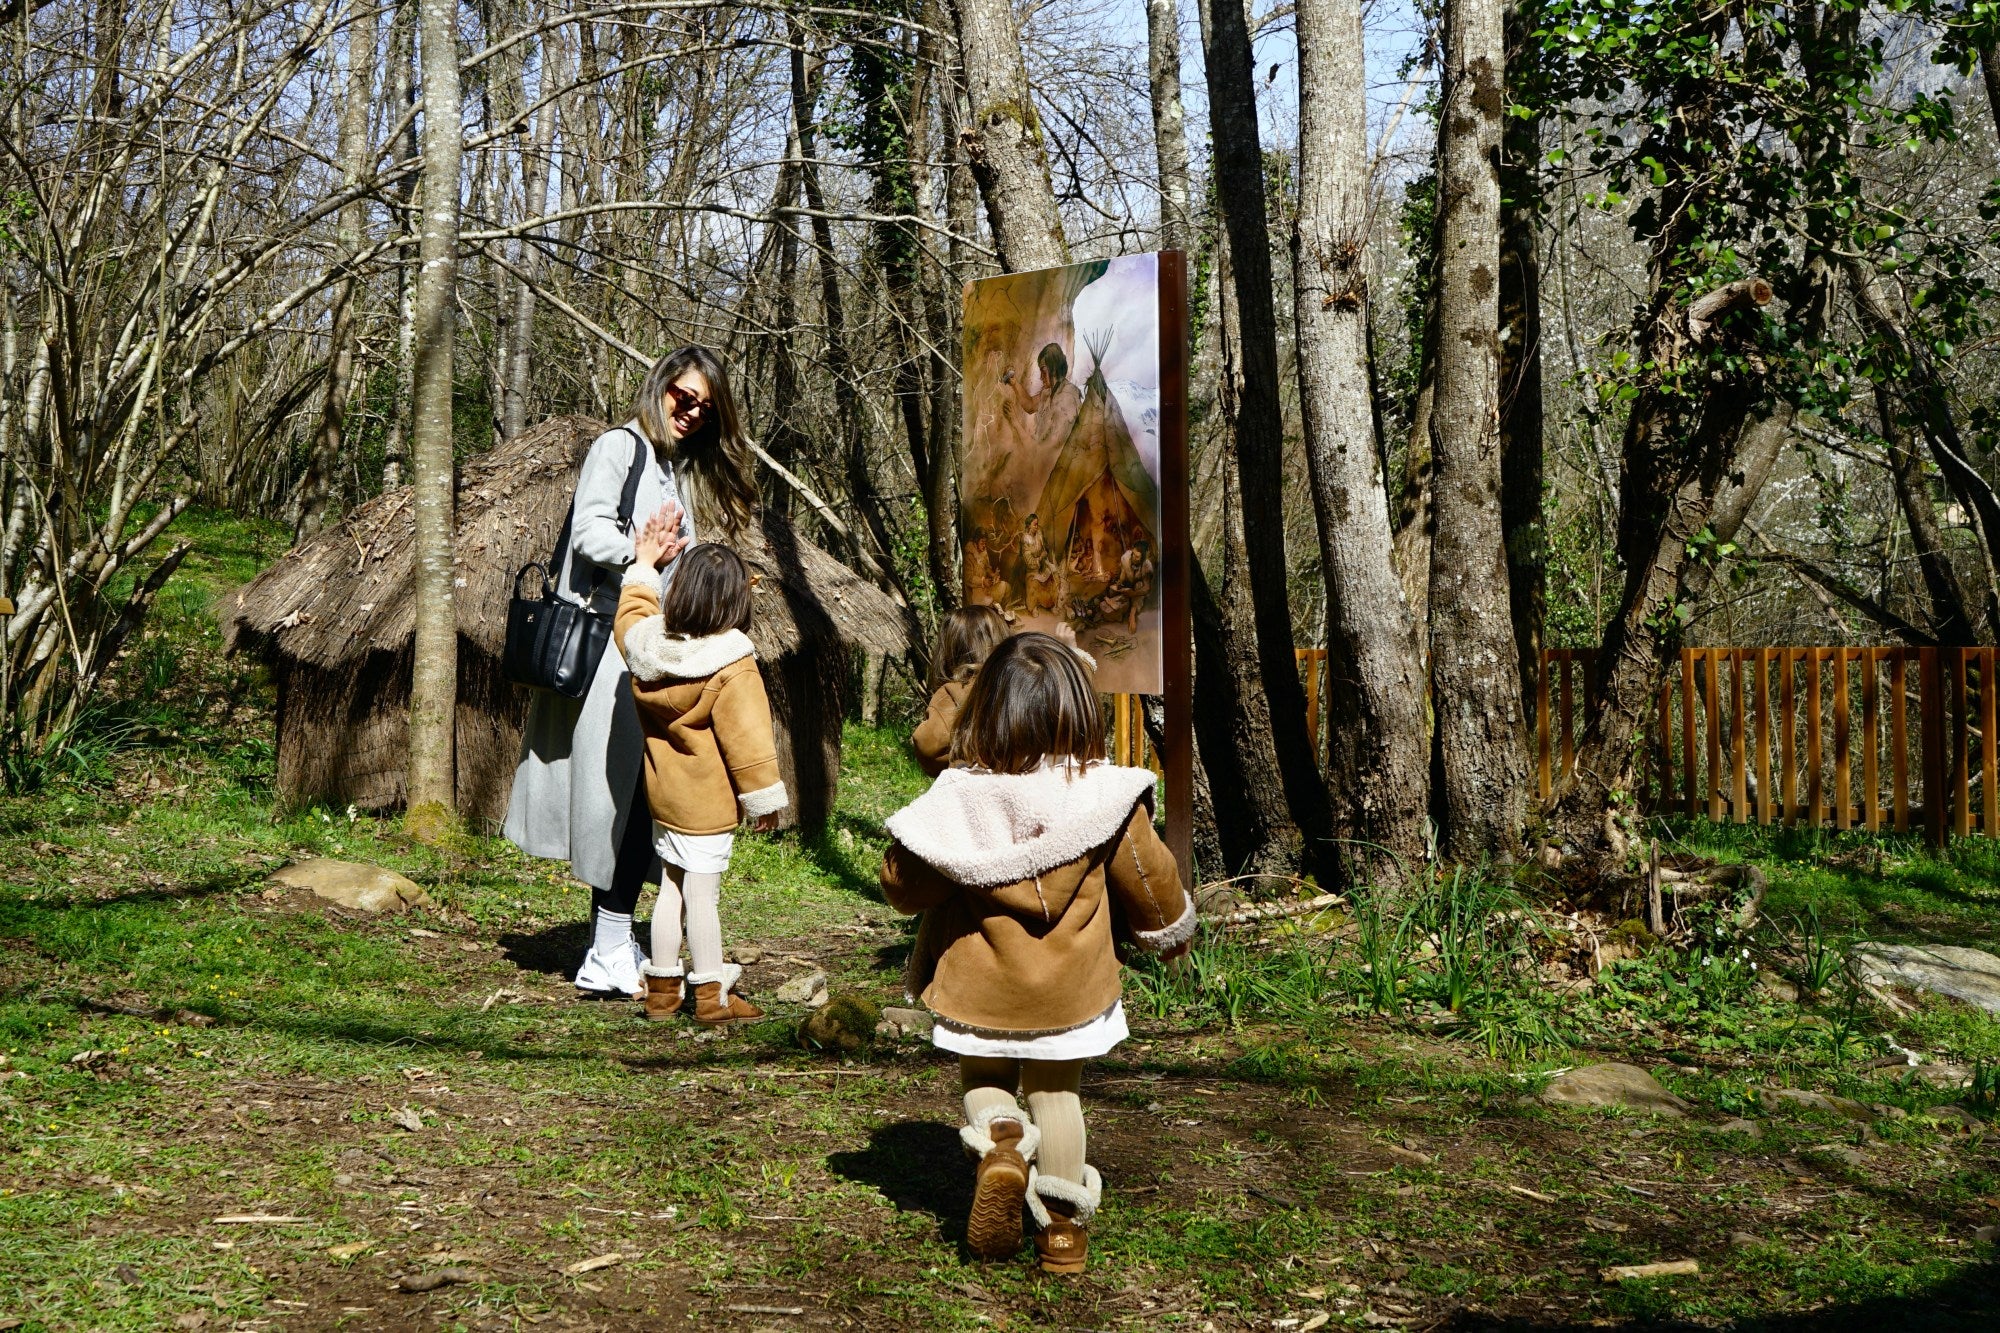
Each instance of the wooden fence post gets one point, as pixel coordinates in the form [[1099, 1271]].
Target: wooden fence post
[[1930, 678]]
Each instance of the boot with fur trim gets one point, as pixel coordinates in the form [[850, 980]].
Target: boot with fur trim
[[1062, 1210], [713, 1003], [1004, 1140], [664, 993]]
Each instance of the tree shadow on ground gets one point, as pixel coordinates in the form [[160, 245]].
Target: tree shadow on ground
[[556, 951], [917, 1165], [852, 863], [1966, 1301]]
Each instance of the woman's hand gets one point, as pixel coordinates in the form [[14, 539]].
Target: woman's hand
[[765, 823], [660, 541]]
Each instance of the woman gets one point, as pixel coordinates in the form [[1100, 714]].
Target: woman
[[578, 793]]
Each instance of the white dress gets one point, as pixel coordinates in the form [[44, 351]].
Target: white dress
[[581, 759]]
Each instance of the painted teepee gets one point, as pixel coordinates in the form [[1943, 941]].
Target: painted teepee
[[1098, 496]]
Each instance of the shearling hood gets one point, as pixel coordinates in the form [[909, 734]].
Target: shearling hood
[[990, 829], [653, 654]]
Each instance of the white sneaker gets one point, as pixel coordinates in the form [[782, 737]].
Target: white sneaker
[[614, 974]]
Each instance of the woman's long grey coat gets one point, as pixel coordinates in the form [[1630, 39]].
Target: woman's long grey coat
[[581, 759]]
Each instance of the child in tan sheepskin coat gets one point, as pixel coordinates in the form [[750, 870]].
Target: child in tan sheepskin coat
[[1030, 859], [711, 758], [968, 635]]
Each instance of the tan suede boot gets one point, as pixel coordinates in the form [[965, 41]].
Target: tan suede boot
[[993, 1229], [664, 994], [1062, 1210], [713, 1002], [1062, 1245]]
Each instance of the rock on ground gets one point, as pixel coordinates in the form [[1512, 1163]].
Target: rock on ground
[[801, 989], [909, 1022], [364, 888], [1613, 1085], [1971, 975], [1774, 1100]]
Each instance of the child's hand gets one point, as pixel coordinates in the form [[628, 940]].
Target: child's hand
[[1064, 631], [765, 823], [660, 540]]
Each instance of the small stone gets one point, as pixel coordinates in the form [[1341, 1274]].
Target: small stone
[[364, 888], [1775, 1100], [1777, 987], [1957, 1118], [1743, 1240], [1949, 1077], [1741, 1126], [800, 989], [818, 1000], [1841, 1153], [1613, 1084], [911, 1022], [747, 954], [1987, 1235]]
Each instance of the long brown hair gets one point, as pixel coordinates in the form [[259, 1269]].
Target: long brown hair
[[1032, 701], [716, 457], [710, 592], [968, 637]]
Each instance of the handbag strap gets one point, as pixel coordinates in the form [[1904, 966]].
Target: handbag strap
[[628, 499]]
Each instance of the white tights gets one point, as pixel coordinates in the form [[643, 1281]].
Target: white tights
[[700, 896]]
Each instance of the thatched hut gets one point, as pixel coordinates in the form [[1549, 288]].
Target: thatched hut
[[334, 618]]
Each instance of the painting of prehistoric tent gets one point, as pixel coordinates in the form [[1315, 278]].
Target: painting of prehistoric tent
[[1059, 483]]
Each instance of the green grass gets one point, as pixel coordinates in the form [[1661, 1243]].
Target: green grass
[[1249, 1132]]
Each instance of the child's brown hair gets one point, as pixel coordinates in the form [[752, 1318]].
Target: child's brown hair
[[969, 636], [1030, 702], [710, 592]]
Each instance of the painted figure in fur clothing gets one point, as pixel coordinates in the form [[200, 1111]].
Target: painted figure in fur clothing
[[1029, 858]]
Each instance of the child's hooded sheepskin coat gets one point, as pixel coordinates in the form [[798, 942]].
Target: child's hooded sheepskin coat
[[707, 719], [932, 739], [1026, 881]]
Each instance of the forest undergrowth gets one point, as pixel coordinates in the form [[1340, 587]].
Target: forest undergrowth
[[1330, 1121]]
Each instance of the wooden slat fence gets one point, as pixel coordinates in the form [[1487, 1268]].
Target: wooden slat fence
[[1846, 738], [1127, 741], [1867, 738]]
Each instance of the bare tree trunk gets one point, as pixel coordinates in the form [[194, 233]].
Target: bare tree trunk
[[434, 652], [1380, 761], [1989, 74], [840, 362], [1003, 139], [518, 373], [1250, 406], [1163, 69], [356, 154], [1883, 312], [1481, 736], [1521, 441], [401, 84], [1951, 616], [940, 373]]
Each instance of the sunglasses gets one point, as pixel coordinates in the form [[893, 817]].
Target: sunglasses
[[687, 405]]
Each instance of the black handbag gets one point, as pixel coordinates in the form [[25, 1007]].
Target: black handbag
[[554, 644]]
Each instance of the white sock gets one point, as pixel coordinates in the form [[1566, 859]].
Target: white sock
[[614, 931]]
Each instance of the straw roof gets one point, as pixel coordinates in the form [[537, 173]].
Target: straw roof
[[348, 591]]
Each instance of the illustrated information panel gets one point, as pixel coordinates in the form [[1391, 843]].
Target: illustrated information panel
[[1059, 489]]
